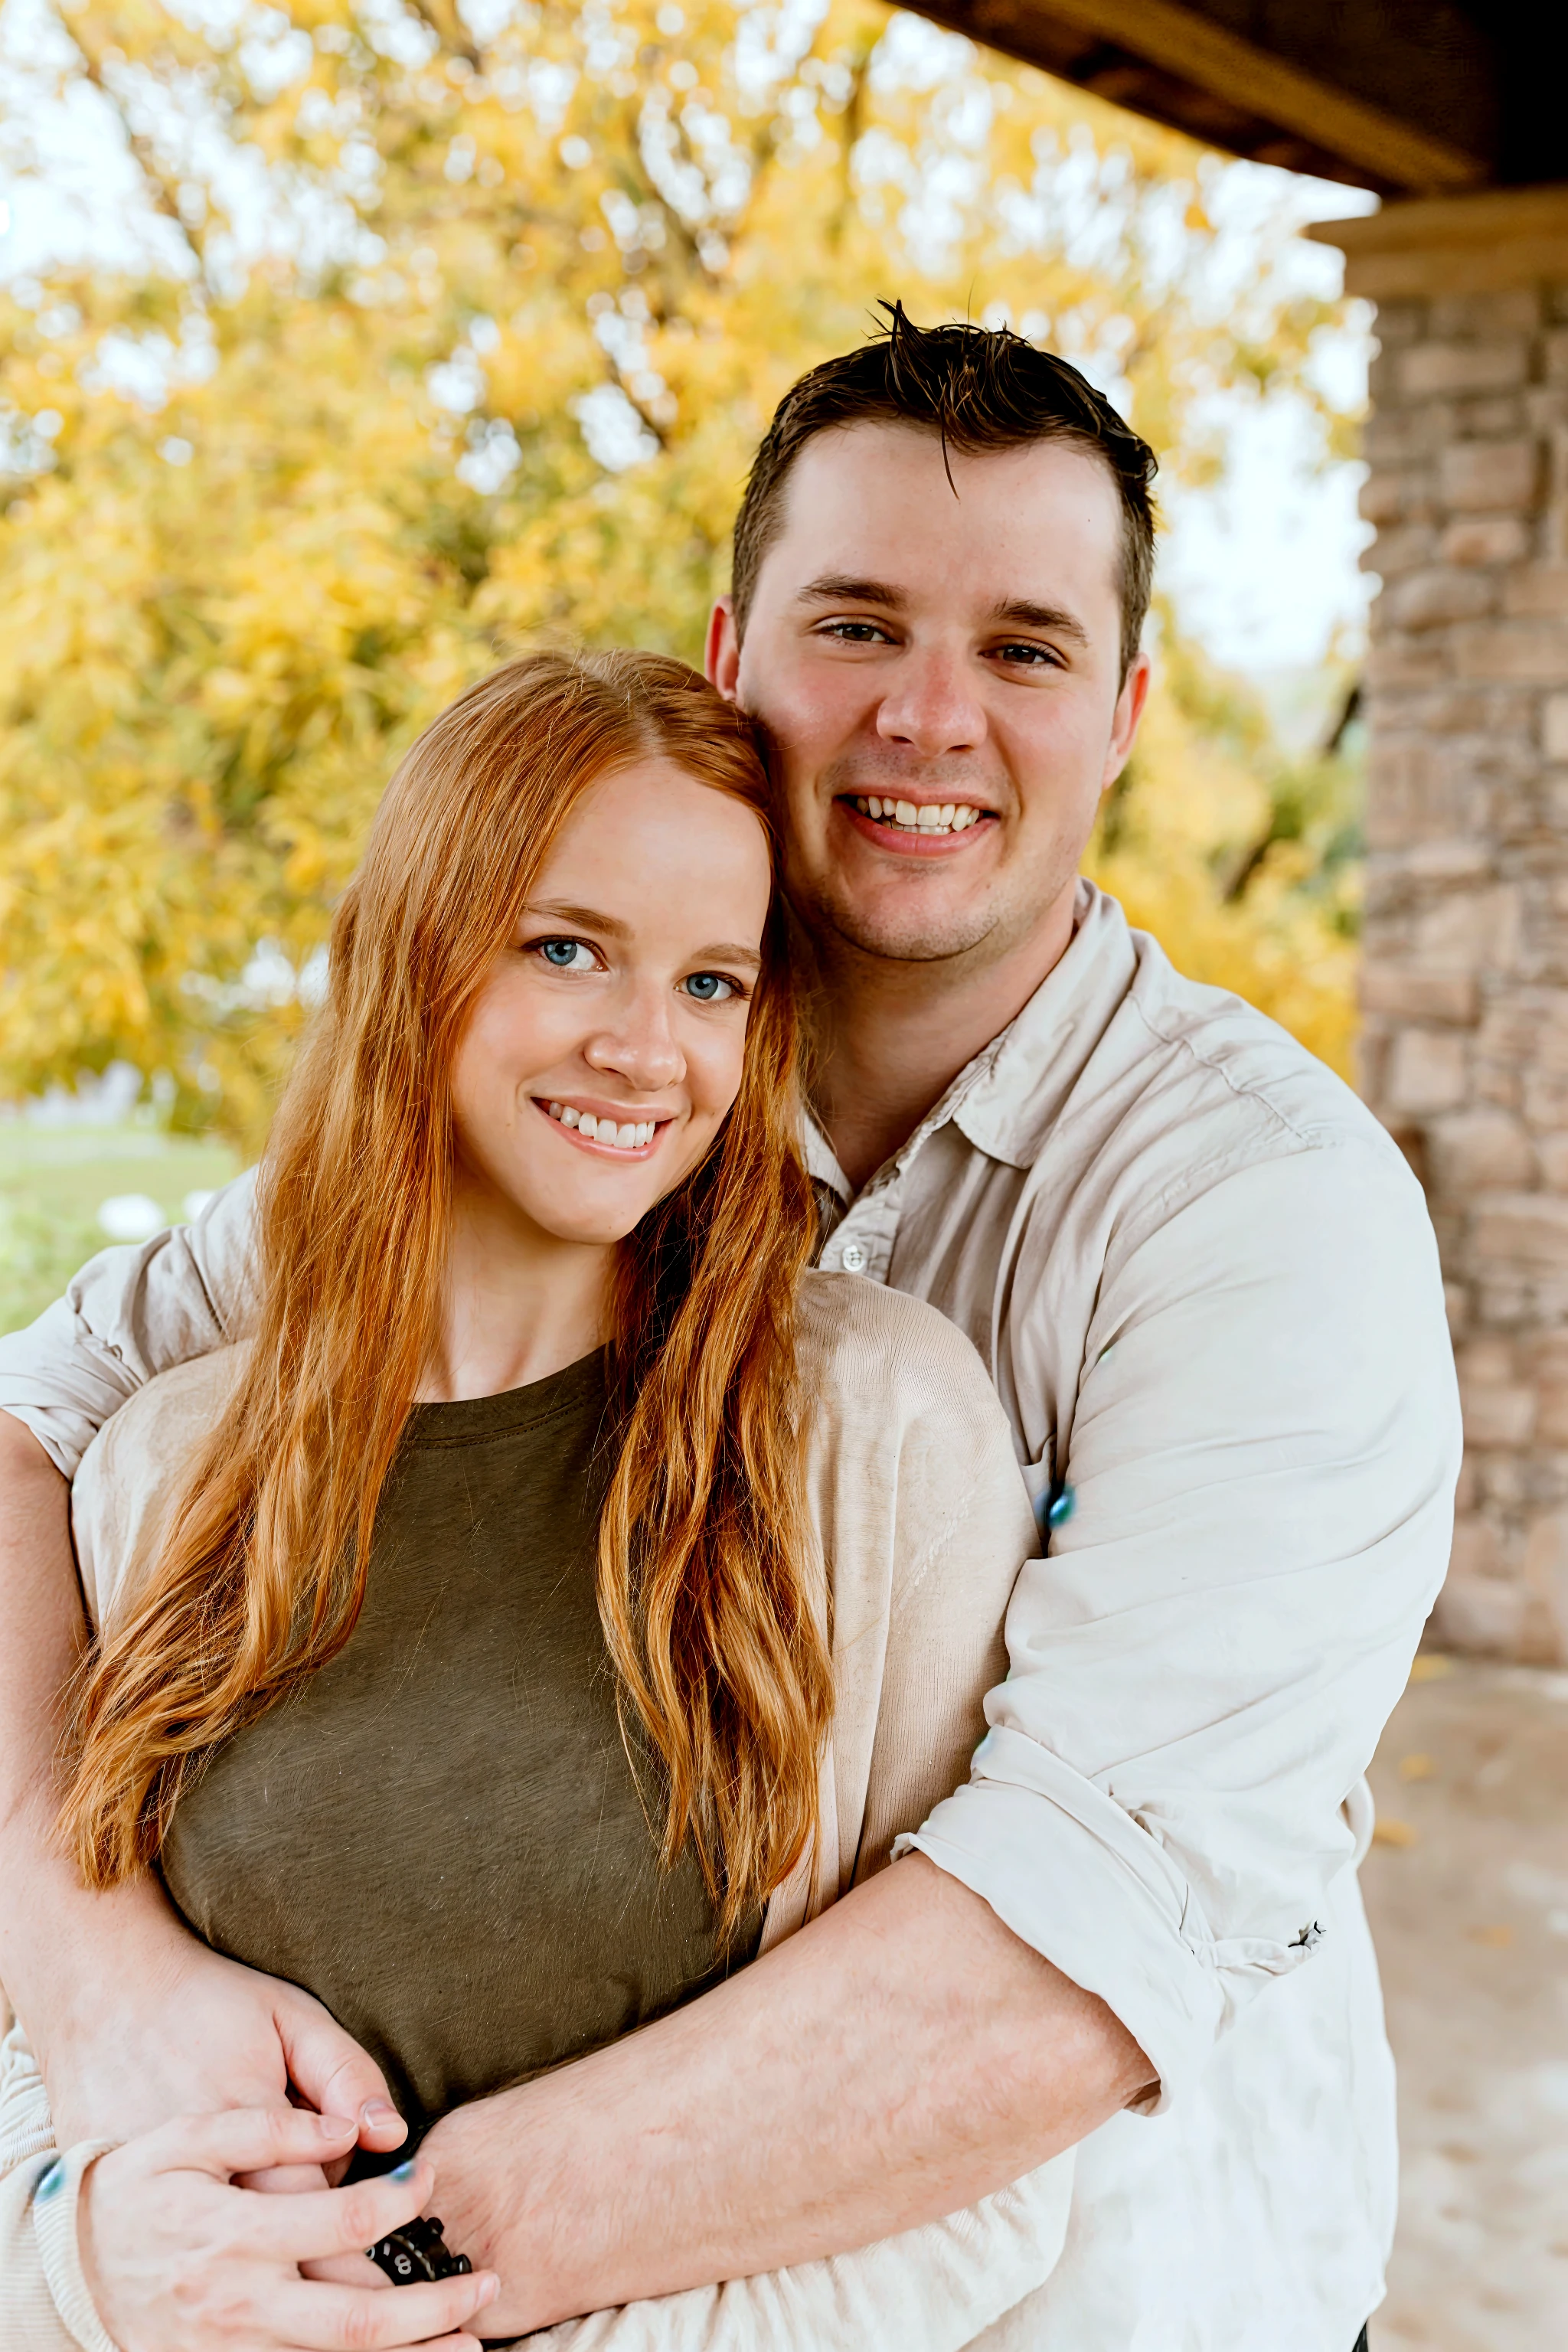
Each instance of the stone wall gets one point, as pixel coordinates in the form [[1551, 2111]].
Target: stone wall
[[1465, 985]]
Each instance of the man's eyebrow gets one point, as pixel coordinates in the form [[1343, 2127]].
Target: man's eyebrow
[[589, 919], [1022, 615], [843, 588]]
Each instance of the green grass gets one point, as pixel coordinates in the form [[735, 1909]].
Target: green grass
[[52, 1179]]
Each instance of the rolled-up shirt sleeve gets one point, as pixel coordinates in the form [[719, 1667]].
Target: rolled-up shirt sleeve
[[129, 1314], [1256, 1520]]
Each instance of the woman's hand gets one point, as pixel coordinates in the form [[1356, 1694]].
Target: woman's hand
[[178, 2259]]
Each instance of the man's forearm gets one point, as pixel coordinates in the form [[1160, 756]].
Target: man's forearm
[[40, 1639], [896, 2061], [49, 1918]]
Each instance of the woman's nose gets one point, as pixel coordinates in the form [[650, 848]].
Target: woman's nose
[[642, 1049]]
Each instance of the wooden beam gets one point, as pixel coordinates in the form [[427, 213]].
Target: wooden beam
[[1192, 47], [1454, 245]]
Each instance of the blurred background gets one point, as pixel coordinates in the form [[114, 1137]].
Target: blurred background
[[345, 348]]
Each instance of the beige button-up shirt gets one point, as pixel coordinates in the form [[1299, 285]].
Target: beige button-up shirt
[[1205, 1283]]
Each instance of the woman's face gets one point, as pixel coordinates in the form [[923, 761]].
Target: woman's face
[[606, 1047]]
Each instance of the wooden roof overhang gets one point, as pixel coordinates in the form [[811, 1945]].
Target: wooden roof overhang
[[1411, 98]]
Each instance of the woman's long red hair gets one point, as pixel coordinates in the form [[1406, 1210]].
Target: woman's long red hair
[[708, 1577]]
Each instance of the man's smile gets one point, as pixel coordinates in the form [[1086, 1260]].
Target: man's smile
[[918, 828]]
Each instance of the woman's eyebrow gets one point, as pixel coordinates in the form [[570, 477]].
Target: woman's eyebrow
[[729, 952], [587, 919]]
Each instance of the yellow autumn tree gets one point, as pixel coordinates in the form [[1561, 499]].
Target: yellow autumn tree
[[444, 326], [1242, 859]]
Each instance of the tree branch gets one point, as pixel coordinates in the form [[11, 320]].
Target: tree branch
[[163, 195], [441, 18]]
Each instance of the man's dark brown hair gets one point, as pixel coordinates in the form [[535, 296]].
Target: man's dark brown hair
[[978, 388]]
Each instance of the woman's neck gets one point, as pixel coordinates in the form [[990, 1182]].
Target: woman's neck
[[517, 1305]]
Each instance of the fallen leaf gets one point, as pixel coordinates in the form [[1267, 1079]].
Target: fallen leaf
[[1417, 1768], [1498, 1937], [1430, 1667], [1390, 1832]]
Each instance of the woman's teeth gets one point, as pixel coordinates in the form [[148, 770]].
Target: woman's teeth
[[926, 816], [629, 1136]]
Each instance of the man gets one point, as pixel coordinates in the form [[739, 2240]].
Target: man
[[1205, 1285]]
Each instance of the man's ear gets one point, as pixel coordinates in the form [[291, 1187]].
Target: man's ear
[[1125, 718], [723, 657]]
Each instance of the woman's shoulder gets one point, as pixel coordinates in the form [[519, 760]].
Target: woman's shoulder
[[129, 1475], [890, 1364]]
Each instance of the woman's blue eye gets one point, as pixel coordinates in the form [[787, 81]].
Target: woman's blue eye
[[563, 953], [709, 987]]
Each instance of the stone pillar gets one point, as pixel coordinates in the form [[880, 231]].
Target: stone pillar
[[1465, 974]]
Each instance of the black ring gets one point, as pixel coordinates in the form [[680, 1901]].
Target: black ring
[[417, 2253]]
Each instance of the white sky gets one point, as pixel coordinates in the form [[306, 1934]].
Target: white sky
[[1264, 567]]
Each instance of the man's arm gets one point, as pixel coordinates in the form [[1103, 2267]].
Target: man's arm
[[134, 2021], [1264, 1457], [899, 2058], [41, 1634], [129, 1314]]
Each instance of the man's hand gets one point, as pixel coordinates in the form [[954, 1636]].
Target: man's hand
[[179, 2259], [898, 2060]]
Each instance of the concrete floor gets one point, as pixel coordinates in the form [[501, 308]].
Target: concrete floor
[[1467, 1892]]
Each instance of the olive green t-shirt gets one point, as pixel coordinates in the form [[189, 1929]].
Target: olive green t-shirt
[[439, 1834]]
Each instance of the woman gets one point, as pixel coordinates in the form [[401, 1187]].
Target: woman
[[516, 1651]]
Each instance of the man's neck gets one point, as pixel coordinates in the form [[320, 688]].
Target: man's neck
[[894, 1035]]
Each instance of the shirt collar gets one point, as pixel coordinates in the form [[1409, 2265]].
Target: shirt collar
[[1005, 1101], [1026, 1074]]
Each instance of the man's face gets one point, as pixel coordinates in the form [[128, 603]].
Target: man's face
[[916, 656]]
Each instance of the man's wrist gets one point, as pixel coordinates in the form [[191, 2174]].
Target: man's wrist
[[492, 2189]]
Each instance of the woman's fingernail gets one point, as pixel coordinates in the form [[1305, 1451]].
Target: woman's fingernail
[[404, 2171], [335, 2127]]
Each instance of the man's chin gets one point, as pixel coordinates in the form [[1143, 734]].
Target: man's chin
[[898, 935]]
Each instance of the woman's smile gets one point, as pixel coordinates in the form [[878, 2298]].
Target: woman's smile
[[599, 1126]]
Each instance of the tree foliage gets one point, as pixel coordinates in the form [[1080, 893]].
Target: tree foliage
[[444, 326], [1243, 859]]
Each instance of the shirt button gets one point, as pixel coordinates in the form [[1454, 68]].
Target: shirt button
[[854, 1257]]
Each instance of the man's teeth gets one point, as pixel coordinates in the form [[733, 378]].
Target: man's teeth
[[629, 1136], [927, 816]]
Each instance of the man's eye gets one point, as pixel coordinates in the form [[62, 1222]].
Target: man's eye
[[1027, 657], [856, 633], [567, 955], [711, 987]]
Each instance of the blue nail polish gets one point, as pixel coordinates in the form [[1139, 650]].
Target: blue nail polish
[[1061, 1510], [404, 2171]]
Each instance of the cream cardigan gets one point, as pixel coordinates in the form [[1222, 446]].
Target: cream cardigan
[[923, 1522]]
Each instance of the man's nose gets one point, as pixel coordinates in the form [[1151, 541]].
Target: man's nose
[[931, 705], [640, 1046]]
